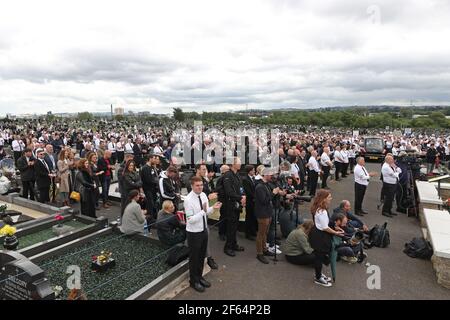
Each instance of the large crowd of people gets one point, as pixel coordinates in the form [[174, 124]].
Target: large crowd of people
[[57, 159]]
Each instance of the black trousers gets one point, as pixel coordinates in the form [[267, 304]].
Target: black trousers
[[338, 169], [197, 242], [344, 169], [319, 261], [326, 174], [151, 203], [360, 191], [308, 181], [232, 219], [314, 176], [251, 224], [400, 197], [113, 158], [389, 194], [223, 221], [28, 188], [302, 259], [17, 155], [44, 194], [352, 162], [120, 156]]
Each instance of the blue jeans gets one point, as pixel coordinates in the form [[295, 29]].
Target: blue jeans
[[105, 188], [349, 251], [355, 224]]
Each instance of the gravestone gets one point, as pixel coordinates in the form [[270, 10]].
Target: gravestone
[[20, 279]]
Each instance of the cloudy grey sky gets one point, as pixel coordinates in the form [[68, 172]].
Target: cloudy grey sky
[[68, 56]]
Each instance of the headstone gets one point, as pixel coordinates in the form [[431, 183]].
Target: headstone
[[20, 279]]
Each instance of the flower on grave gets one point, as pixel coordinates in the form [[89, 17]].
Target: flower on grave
[[7, 230], [104, 257], [57, 290], [59, 218]]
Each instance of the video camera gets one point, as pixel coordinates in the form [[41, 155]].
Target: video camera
[[412, 161]]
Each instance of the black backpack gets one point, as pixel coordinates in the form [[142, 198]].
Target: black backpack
[[419, 248], [379, 236], [177, 254]]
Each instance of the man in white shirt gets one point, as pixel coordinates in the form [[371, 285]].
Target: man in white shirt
[[338, 162], [345, 163], [129, 147], [326, 164], [18, 147], [197, 209], [314, 171], [112, 147], [390, 174], [362, 177]]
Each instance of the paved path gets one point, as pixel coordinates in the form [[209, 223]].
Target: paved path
[[243, 277]]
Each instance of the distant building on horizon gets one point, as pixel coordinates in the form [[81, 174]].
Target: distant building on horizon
[[119, 111]]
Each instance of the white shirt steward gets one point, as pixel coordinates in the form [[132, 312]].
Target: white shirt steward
[[197, 233], [390, 178], [362, 178], [313, 175], [324, 162]]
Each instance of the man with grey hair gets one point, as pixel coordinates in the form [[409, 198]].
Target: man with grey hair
[[353, 221], [390, 174], [362, 178]]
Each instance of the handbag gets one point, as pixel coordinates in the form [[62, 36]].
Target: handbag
[[75, 196]]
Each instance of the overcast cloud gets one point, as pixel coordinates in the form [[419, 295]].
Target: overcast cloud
[[67, 56]]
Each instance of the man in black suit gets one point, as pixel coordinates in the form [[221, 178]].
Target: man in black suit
[[50, 157], [25, 164], [150, 182], [235, 199], [137, 151], [248, 182], [51, 160], [43, 176]]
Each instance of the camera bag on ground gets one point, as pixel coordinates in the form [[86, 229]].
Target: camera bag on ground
[[177, 254], [419, 248], [379, 236]]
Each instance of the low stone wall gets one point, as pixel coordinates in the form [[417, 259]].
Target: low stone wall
[[422, 206], [15, 198], [442, 268]]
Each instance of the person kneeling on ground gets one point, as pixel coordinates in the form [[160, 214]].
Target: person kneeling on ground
[[170, 230], [134, 218], [350, 249], [297, 249]]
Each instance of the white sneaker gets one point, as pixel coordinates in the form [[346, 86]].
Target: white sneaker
[[322, 282], [272, 250], [326, 278], [267, 245]]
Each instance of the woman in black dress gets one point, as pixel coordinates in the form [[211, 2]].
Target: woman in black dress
[[86, 187]]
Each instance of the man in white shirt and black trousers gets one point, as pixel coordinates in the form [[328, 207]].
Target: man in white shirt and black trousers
[[390, 174], [326, 164], [197, 209], [313, 173], [362, 177]]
